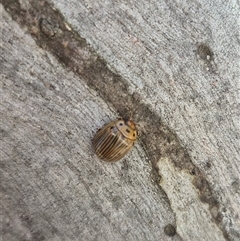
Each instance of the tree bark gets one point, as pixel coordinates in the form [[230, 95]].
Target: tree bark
[[68, 67]]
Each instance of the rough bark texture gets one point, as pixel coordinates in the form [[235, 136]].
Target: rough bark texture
[[68, 67]]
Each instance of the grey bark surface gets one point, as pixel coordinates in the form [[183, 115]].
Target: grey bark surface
[[68, 70]]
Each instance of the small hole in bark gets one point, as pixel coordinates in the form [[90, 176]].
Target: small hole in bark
[[170, 230], [205, 52]]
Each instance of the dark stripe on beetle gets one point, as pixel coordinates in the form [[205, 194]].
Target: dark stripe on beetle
[[110, 144], [118, 150], [100, 140], [104, 143], [105, 138], [112, 153]]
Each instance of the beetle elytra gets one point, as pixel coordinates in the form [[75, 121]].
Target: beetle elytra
[[115, 139]]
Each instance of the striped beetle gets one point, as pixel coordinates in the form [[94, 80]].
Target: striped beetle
[[115, 139]]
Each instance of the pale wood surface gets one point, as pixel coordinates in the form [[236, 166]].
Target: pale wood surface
[[54, 187]]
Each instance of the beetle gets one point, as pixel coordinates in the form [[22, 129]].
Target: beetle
[[115, 139]]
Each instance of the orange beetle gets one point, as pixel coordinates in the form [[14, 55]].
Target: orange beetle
[[115, 139]]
